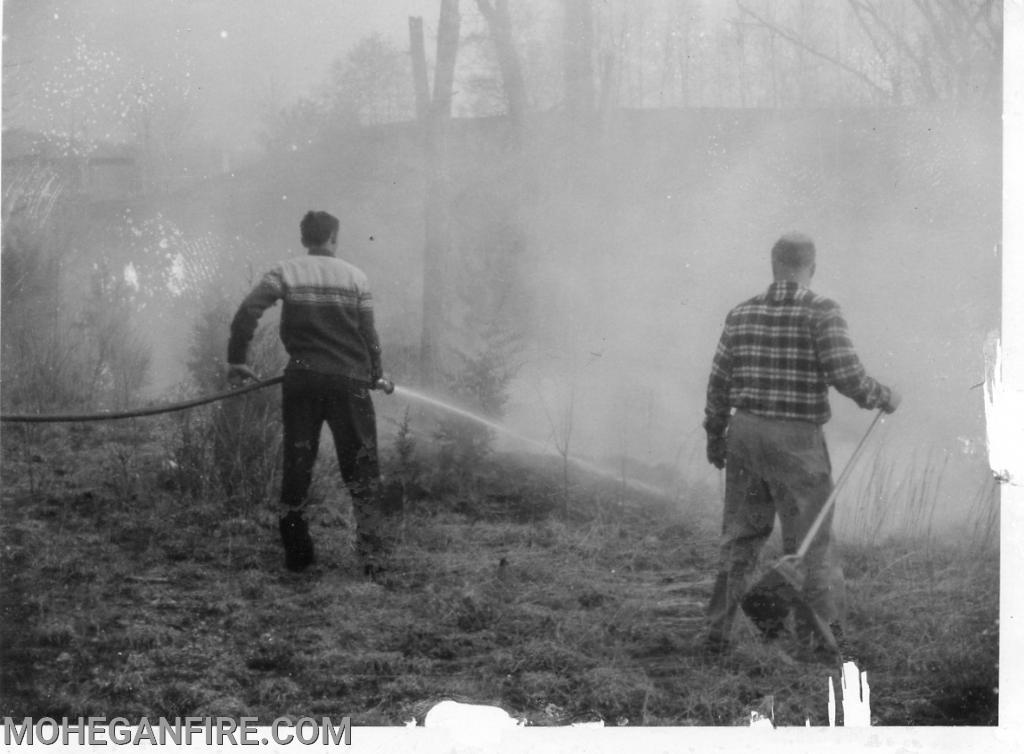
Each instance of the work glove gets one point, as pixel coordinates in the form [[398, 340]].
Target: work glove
[[239, 374], [716, 451], [894, 401]]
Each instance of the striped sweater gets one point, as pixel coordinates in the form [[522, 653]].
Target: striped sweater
[[777, 356], [326, 317]]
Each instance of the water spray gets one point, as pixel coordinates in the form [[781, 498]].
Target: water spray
[[384, 384], [541, 446]]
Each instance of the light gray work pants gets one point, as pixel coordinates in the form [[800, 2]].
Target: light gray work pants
[[774, 467]]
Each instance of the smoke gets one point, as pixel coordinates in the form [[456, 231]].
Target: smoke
[[637, 242], [636, 265]]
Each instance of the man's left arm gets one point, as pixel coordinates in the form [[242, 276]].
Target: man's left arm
[[843, 369]]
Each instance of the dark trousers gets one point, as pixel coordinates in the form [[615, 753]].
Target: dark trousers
[[775, 468], [308, 399]]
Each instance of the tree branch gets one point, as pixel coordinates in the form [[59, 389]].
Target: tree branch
[[957, 36], [995, 41], [942, 37], [858, 11], [795, 40], [983, 14], [899, 40]]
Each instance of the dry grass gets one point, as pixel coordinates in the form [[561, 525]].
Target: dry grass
[[123, 597]]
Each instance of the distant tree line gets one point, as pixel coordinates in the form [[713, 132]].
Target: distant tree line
[[578, 62], [587, 60], [589, 57]]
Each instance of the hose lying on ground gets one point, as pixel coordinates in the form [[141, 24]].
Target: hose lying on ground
[[150, 411]]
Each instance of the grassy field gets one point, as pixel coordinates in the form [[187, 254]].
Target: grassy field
[[125, 595]]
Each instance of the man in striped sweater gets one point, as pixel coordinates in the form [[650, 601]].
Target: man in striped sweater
[[767, 400], [334, 354]]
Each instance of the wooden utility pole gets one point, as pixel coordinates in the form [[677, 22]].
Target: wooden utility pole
[[435, 119], [419, 68]]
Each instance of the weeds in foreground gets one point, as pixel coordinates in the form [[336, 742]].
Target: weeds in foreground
[[927, 617], [178, 605], [231, 449]]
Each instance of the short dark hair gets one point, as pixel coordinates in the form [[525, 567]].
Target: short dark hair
[[794, 251], [318, 228]]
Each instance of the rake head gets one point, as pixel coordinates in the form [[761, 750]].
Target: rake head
[[770, 600], [777, 593]]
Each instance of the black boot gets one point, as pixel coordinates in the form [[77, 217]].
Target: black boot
[[298, 545]]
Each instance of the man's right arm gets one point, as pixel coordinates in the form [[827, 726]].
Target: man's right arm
[[368, 330], [262, 297]]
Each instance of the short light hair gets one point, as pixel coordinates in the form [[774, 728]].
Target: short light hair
[[318, 228], [793, 251]]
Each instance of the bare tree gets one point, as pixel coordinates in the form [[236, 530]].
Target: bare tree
[[578, 33], [499, 21], [677, 52], [373, 81], [879, 87], [957, 53], [929, 51]]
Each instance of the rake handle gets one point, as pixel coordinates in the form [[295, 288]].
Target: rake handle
[[819, 520]]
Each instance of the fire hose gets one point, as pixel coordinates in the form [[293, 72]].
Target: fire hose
[[165, 408], [384, 384]]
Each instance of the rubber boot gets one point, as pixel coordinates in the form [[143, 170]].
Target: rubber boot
[[298, 545]]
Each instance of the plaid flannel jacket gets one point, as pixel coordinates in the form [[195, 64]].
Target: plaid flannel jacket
[[326, 318], [777, 356]]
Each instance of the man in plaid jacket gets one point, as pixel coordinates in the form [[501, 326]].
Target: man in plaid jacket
[[327, 328], [767, 400]]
